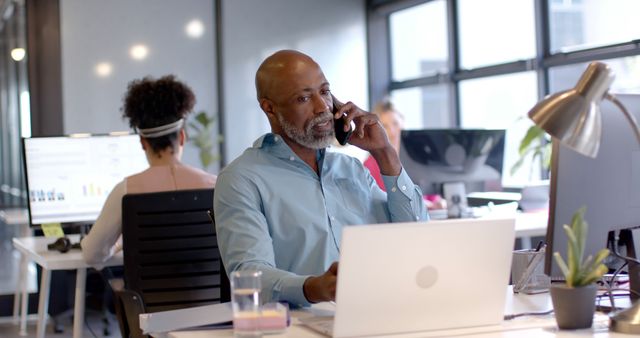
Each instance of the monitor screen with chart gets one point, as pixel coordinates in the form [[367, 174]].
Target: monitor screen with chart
[[69, 178]]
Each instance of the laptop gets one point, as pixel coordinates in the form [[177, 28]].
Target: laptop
[[411, 277]]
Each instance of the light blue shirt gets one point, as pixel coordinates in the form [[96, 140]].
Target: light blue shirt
[[273, 213]]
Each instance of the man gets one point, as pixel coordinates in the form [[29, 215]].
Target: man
[[280, 206]]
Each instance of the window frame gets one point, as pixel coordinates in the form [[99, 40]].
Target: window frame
[[382, 83]]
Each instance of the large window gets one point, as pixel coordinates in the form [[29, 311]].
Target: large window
[[419, 48], [423, 107], [626, 70], [486, 28], [413, 57], [484, 63], [581, 24], [501, 102], [14, 104]]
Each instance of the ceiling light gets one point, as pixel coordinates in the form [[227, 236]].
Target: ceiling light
[[18, 54], [139, 52], [195, 28], [103, 69]]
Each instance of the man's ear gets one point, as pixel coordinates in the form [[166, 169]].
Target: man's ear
[[267, 107]]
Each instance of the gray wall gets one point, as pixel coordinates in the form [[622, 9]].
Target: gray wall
[[333, 32], [95, 31]]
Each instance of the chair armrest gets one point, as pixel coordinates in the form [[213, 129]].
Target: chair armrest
[[117, 284], [128, 311]]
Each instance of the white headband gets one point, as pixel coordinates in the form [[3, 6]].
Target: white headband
[[161, 130]]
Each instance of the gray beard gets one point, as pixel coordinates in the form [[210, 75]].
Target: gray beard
[[308, 138]]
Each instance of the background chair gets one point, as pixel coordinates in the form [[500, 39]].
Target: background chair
[[171, 256]]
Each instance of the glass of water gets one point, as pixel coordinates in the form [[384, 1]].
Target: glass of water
[[245, 300]]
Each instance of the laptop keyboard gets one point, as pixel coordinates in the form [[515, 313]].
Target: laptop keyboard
[[322, 325]]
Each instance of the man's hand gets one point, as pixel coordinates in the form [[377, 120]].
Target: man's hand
[[322, 288], [369, 134]]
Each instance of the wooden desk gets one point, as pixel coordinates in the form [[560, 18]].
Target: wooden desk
[[527, 326], [35, 249]]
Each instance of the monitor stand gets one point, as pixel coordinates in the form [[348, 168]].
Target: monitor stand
[[456, 196], [633, 265]]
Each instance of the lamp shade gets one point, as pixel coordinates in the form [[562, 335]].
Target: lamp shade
[[573, 116]]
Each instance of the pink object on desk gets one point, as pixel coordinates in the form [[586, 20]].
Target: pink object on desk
[[273, 321], [273, 318], [246, 323]]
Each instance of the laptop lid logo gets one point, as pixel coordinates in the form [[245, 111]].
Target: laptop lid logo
[[427, 277]]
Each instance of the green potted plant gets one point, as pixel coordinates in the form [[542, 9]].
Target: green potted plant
[[574, 301], [201, 135], [537, 143]]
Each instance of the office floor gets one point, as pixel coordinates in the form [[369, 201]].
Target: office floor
[[93, 322]]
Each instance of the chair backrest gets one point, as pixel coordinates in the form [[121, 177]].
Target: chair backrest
[[171, 255]]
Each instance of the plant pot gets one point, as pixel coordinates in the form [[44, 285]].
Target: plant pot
[[574, 307]]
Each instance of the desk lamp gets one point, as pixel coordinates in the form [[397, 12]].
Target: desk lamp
[[573, 117]]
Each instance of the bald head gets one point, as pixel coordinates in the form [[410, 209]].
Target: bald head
[[278, 68], [296, 98]]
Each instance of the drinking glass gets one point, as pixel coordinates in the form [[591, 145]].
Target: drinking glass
[[245, 301]]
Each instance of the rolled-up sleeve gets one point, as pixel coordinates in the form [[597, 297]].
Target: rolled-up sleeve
[[404, 199]]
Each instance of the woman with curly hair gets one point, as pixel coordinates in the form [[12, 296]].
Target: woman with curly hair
[[157, 109]]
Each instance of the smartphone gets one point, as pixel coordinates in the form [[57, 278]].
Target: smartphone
[[338, 125]]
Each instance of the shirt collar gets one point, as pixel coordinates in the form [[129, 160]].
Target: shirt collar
[[274, 144]]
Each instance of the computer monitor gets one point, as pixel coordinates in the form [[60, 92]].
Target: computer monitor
[[608, 185], [69, 178], [433, 157]]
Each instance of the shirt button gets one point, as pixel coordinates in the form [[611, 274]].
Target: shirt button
[[404, 187], [292, 158], [393, 189], [276, 138], [417, 218], [332, 218]]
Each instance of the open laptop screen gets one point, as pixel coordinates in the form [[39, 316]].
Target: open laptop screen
[[69, 178]]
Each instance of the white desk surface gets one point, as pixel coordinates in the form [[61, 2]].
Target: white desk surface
[[528, 326], [35, 249], [528, 224], [531, 224]]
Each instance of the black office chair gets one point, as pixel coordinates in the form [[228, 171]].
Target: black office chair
[[171, 256]]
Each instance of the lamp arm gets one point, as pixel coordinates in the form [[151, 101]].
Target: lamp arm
[[630, 118]]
